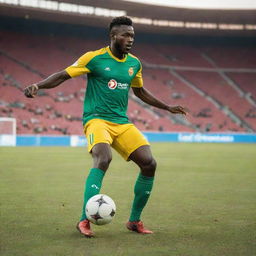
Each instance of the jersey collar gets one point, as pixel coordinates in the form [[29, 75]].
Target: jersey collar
[[114, 57]]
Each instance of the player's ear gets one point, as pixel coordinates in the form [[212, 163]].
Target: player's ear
[[113, 33], [112, 36]]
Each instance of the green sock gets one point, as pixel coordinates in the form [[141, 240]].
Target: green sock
[[92, 187], [142, 190]]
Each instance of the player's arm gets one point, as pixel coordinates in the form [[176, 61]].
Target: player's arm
[[77, 69], [148, 98], [48, 83]]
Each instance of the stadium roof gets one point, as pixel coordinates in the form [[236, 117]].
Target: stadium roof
[[206, 4], [159, 19]]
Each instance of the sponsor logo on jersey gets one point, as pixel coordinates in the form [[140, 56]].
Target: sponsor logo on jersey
[[122, 86], [130, 71], [112, 84]]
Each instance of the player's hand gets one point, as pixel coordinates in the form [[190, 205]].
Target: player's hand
[[178, 110], [31, 91]]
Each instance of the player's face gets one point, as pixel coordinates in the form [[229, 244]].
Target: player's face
[[124, 38]]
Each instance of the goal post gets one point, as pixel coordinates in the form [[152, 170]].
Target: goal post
[[7, 131]]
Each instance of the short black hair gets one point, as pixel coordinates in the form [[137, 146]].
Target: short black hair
[[118, 21]]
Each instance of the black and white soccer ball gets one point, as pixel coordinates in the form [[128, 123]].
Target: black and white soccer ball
[[100, 209]]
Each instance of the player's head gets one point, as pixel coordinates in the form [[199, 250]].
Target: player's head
[[121, 33]]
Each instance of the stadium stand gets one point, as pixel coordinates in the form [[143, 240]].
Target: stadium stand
[[213, 84], [232, 57], [246, 82], [174, 55], [176, 74]]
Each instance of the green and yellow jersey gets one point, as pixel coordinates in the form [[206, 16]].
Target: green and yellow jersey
[[108, 84]]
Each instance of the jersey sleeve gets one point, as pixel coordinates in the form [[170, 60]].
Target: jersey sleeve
[[80, 66], [137, 81]]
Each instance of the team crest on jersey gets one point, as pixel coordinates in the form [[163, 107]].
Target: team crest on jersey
[[130, 71], [112, 84]]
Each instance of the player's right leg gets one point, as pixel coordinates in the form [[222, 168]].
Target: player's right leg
[[99, 145], [101, 154]]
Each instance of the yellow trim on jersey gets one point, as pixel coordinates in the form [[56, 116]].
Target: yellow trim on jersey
[[114, 57], [133, 56], [137, 81], [79, 67]]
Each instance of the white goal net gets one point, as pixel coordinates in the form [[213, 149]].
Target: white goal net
[[7, 131]]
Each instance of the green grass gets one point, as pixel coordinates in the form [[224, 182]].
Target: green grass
[[203, 202]]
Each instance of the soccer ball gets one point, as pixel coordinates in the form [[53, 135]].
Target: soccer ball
[[100, 209]]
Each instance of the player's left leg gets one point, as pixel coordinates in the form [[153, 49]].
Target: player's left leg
[[132, 145], [143, 187]]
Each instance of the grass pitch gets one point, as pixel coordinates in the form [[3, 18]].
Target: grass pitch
[[203, 202]]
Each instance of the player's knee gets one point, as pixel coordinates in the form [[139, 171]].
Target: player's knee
[[148, 167], [152, 165], [103, 162]]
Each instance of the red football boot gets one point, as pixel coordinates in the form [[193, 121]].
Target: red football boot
[[137, 226], [84, 228]]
